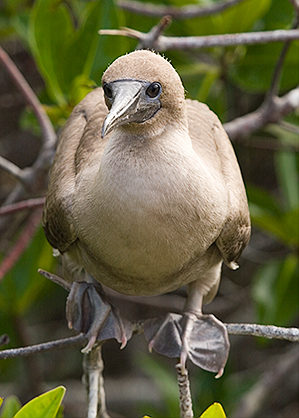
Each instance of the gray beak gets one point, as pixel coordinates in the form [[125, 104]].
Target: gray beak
[[130, 103]]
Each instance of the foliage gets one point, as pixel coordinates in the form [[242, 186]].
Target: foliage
[[43, 406], [11, 406], [277, 280], [70, 56], [214, 411]]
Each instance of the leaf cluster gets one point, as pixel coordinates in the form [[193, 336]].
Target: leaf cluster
[[44, 406]]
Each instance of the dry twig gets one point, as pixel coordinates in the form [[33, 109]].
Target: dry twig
[[271, 111], [24, 205], [184, 392], [255, 330], [21, 244], [77, 341], [184, 12], [34, 177], [166, 43], [93, 376]]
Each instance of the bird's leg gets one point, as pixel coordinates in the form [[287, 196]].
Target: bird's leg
[[88, 311], [202, 338]]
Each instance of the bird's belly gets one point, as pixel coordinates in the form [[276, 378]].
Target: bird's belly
[[143, 225], [136, 249]]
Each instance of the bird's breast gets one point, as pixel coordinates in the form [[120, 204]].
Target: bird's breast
[[147, 213]]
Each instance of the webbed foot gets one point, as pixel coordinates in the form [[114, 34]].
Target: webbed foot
[[88, 311], [202, 338]]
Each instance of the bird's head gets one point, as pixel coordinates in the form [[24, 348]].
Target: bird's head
[[142, 92]]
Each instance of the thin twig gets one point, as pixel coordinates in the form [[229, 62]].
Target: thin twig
[[255, 330], [270, 144], [13, 170], [36, 175], [184, 392], [154, 34], [289, 127], [93, 375], [184, 12], [269, 112], [49, 135], [77, 341], [21, 244], [274, 88], [24, 205], [166, 43], [55, 279], [267, 331]]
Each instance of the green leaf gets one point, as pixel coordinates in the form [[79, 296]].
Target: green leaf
[[64, 52], [264, 200], [44, 406], [49, 31], [10, 407], [275, 291], [108, 48], [255, 71], [283, 227], [239, 18], [287, 173], [214, 411], [22, 285]]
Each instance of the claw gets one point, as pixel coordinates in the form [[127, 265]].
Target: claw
[[90, 344], [220, 373]]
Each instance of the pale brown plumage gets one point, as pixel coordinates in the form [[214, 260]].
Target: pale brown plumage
[[157, 203]]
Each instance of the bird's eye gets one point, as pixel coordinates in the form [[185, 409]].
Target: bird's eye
[[107, 90], [153, 90]]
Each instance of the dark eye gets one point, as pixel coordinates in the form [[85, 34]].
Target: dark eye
[[153, 90], [107, 90]]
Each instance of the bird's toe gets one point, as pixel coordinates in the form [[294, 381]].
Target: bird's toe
[[202, 338]]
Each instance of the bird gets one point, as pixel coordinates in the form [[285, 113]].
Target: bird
[[146, 196]]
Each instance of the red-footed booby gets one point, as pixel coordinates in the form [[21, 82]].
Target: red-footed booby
[[145, 197]]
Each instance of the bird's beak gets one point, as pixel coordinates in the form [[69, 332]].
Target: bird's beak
[[129, 104]]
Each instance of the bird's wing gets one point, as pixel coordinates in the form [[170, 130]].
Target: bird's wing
[[211, 142], [75, 145]]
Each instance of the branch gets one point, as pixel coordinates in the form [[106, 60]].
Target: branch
[[48, 133], [24, 205], [184, 392], [154, 34], [266, 331], [184, 12], [21, 244], [254, 330], [78, 340], [271, 111], [93, 376], [274, 88], [14, 170], [165, 43], [36, 176]]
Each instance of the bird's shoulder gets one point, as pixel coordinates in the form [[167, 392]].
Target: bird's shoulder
[[210, 140], [75, 145]]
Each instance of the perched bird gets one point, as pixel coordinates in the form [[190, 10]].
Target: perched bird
[[145, 197]]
